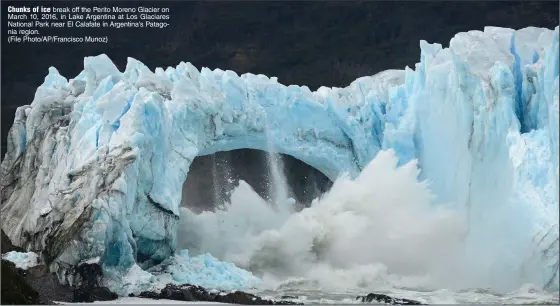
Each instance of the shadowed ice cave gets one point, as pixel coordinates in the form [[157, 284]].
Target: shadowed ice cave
[[212, 178]]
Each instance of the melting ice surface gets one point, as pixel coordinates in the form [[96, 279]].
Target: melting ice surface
[[446, 176]]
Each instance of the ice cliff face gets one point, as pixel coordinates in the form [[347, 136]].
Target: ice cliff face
[[95, 165]]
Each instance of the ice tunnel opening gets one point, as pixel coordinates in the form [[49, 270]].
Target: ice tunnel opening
[[213, 177]]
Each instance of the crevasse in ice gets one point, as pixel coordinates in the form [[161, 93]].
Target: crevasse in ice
[[95, 165]]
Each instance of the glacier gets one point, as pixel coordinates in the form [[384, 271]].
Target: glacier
[[95, 164]]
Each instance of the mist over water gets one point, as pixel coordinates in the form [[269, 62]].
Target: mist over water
[[380, 230]]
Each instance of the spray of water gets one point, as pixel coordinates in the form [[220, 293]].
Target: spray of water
[[277, 187], [215, 182], [379, 230]]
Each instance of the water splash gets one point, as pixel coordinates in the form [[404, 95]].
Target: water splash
[[383, 218], [382, 230]]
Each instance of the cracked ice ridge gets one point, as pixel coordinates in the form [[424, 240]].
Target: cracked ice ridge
[[95, 164]]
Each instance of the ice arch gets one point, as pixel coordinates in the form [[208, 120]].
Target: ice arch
[[115, 149]]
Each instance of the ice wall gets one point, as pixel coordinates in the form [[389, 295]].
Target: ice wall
[[95, 164], [482, 120]]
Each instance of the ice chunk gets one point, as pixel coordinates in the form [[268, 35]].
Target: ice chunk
[[202, 270], [22, 260]]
